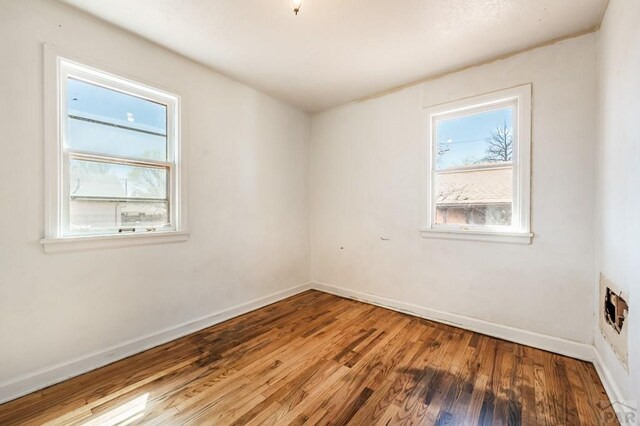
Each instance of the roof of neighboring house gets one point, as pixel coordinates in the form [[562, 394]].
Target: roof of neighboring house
[[482, 184], [87, 184]]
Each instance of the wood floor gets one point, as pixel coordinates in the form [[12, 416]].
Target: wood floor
[[320, 359]]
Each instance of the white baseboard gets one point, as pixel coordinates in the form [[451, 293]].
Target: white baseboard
[[39, 379], [606, 377], [541, 341]]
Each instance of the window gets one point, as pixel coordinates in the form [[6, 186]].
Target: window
[[113, 159], [479, 167]]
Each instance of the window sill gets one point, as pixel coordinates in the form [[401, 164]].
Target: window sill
[[74, 244], [476, 235]]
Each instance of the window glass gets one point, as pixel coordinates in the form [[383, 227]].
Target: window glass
[[473, 139], [107, 196], [481, 196], [473, 179], [109, 122], [95, 179], [107, 215]]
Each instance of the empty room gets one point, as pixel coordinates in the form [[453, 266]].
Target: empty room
[[320, 212]]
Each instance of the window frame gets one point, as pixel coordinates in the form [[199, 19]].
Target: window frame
[[58, 236], [518, 98]]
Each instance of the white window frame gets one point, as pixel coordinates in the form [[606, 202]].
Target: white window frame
[[520, 230], [58, 237]]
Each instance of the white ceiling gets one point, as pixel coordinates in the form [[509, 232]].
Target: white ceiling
[[337, 51]]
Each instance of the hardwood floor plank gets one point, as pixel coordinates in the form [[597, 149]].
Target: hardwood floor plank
[[542, 401], [397, 385], [318, 359]]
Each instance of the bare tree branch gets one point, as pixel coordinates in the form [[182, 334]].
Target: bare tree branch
[[499, 145]]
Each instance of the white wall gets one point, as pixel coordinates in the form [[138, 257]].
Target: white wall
[[368, 165], [248, 160], [617, 226]]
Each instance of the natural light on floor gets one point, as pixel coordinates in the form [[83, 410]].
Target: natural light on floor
[[122, 414]]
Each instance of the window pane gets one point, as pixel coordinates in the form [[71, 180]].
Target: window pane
[[109, 122], [92, 179], [475, 196], [100, 139], [475, 139], [103, 215]]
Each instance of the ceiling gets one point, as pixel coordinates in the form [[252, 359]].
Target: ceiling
[[336, 51]]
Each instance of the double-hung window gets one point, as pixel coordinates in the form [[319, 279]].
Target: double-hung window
[[479, 167], [113, 159]]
